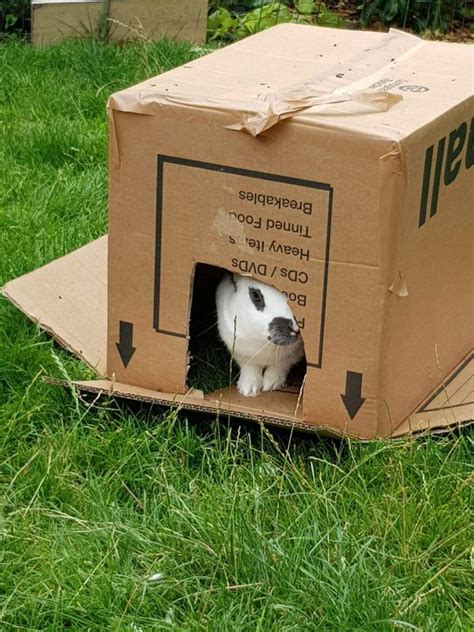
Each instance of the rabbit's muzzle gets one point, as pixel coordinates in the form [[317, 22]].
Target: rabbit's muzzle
[[283, 331]]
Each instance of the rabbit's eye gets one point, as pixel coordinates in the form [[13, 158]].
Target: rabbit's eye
[[257, 299]]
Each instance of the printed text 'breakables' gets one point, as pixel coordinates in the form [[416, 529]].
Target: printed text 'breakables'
[[263, 200]]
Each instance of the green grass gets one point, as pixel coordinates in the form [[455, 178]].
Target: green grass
[[250, 530]]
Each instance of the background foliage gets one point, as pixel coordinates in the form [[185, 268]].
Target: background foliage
[[14, 18], [419, 15], [231, 19]]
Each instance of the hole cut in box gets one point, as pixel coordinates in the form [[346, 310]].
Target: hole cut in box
[[211, 367]]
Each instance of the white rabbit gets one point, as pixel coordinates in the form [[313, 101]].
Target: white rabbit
[[258, 328]]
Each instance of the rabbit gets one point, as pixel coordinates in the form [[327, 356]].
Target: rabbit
[[257, 326]]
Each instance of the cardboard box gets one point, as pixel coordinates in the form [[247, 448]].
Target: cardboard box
[[55, 20], [332, 164]]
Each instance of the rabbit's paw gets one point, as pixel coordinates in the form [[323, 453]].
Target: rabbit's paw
[[250, 381], [273, 379]]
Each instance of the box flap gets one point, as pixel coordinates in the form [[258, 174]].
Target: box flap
[[450, 404], [328, 77], [279, 408], [68, 298]]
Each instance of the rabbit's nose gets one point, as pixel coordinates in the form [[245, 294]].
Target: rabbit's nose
[[282, 331]]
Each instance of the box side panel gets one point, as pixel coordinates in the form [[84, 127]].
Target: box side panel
[[297, 208], [430, 310], [344, 393], [358, 337]]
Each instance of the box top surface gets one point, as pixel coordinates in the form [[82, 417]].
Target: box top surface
[[382, 84], [67, 298]]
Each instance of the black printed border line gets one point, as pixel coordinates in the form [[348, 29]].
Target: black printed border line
[[425, 406], [259, 175]]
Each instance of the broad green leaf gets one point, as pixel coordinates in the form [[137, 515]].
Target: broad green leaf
[[299, 18], [467, 12], [328, 18], [391, 10], [220, 19], [219, 23], [305, 6], [263, 18]]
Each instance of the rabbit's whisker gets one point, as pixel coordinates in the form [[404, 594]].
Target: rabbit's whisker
[[256, 353]]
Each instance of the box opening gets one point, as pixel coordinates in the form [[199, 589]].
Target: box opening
[[210, 367]]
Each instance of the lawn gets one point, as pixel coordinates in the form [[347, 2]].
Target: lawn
[[134, 518]]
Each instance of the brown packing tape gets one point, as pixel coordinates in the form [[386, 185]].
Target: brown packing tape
[[259, 112], [281, 107], [393, 180], [253, 116]]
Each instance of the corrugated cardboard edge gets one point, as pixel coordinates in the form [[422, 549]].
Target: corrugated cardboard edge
[[421, 421], [106, 388], [416, 425]]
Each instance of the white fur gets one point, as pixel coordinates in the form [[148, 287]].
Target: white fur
[[264, 365]]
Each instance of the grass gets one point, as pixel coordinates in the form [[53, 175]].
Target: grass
[[129, 518]]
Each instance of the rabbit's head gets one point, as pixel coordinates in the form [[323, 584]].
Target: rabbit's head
[[262, 312]]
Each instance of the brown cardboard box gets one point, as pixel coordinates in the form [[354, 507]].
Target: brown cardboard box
[[55, 20], [332, 164]]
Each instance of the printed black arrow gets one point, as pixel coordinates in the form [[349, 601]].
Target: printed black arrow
[[125, 345], [352, 398]]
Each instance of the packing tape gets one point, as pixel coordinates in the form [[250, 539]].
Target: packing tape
[[254, 113]]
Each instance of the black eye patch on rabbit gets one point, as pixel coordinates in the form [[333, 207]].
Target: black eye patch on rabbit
[[257, 299], [258, 328]]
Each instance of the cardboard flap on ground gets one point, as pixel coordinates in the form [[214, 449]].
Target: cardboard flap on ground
[[67, 298]]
